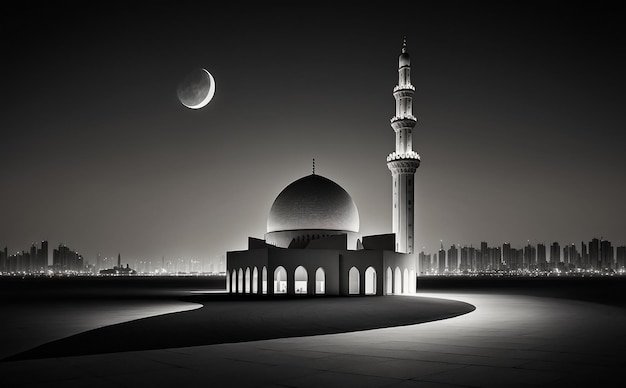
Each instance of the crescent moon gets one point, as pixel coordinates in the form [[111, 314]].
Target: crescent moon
[[198, 89]]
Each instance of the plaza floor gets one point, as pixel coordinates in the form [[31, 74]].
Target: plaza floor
[[507, 341]]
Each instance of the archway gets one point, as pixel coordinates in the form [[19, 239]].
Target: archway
[[264, 280], [320, 281], [301, 278], [240, 281], [233, 281], [405, 282], [255, 281], [247, 281], [370, 281], [389, 281], [397, 281], [353, 281], [280, 280], [227, 281]]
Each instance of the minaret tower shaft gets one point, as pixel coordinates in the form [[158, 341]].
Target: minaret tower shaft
[[403, 162]]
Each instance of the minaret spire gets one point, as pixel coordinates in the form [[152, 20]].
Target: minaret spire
[[403, 162], [313, 166]]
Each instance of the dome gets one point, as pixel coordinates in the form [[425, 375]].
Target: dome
[[313, 202]]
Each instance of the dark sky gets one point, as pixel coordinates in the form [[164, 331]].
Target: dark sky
[[520, 109]]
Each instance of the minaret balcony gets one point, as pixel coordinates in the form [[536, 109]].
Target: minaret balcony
[[412, 155], [403, 117], [404, 87], [403, 166]]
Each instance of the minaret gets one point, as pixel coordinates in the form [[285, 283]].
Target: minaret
[[403, 162]]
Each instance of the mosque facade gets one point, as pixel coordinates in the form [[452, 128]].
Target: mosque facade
[[313, 246]]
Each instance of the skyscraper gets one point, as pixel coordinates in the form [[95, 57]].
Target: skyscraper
[[541, 256], [606, 255], [620, 264], [594, 254], [403, 162], [530, 256], [506, 255], [555, 254], [483, 263], [453, 259], [442, 259]]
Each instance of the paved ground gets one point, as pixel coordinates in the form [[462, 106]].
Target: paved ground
[[508, 341]]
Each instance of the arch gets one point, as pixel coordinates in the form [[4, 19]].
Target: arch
[[320, 281], [227, 281], [280, 280], [370, 281], [240, 281], [264, 280], [246, 283], [301, 280], [389, 281], [412, 285], [255, 281], [405, 282], [353, 283], [397, 281], [233, 281]]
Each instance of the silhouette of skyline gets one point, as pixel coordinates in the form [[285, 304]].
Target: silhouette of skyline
[[519, 110]]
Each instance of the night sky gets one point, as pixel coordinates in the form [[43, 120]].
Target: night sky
[[520, 108]]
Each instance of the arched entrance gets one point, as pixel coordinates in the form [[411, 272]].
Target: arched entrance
[[233, 281], [320, 281], [255, 281], [247, 281], [240, 281], [353, 284], [405, 282], [397, 281], [264, 280], [280, 280], [370, 281], [389, 281], [301, 280]]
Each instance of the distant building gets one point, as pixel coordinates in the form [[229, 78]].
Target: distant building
[[620, 263], [530, 256], [66, 260], [594, 254], [606, 255], [453, 259], [441, 260], [506, 254], [541, 256], [3, 260], [555, 254]]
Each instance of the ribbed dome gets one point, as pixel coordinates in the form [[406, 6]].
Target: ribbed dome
[[313, 202]]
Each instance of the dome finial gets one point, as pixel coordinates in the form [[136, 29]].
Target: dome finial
[[313, 166], [404, 44]]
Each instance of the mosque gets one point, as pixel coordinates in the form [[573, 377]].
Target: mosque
[[313, 246]]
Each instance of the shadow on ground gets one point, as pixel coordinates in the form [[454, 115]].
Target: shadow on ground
[[229, 319]]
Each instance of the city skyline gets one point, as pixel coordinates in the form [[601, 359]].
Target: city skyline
[[519, 124], [596, 256]]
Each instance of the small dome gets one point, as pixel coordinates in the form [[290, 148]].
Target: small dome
[[313, 202]]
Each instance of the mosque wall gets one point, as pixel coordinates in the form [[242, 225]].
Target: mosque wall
[[311, 260], [361, 260]]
